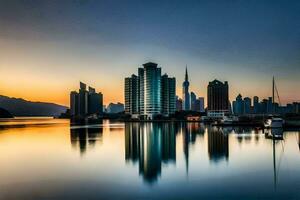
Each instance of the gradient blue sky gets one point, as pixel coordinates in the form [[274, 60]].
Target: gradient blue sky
[[46, 47]]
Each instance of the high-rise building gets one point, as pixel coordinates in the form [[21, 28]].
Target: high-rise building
[[132, 95], [193, 101], [74, 103], [150, 87], [199, 105], [168, 101], [150, 94], [256, 109], [185, 92], [85, 102], [178, 104], [264, 106], [296, 107], [270, 105], [247, 105], [217, 98], [238, 105], [95, 102]]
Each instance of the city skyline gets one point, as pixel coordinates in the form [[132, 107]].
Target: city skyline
[[54, 45], [150, 99]]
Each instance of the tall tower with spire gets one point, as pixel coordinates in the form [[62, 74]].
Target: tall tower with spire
[[186, 105]]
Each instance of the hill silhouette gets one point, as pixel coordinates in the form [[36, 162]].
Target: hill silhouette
[[21, 107], [5, 114]]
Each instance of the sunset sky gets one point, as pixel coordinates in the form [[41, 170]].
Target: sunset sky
[[47, 47]]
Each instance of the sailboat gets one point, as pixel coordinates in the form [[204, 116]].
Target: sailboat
[[275, 122]]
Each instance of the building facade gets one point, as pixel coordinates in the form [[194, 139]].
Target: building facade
[[238, 105], [256, 107], [193, 98], [168, 93], [150, 87], [149, 94], [186, 102], [217, 98], [199, 105], [95, 102], [85, 103], [74, 103], [83, 100], [132, 95], [247, 105], [178, 104]]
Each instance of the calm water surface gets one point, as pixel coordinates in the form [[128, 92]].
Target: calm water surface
[[50, 159]]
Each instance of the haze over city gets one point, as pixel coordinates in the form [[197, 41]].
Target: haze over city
[[47, 47]]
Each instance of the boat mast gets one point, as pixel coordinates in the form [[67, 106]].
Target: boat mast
[[273, 96]]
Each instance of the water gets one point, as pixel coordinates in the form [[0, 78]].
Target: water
[[49, 159]]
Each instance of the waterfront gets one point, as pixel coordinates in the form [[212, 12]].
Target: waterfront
[[49, 159]]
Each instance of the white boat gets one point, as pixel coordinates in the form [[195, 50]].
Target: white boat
[[276, 123]]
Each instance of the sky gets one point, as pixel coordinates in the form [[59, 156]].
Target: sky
[[47, 47]]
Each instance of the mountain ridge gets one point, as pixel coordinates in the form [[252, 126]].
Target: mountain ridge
[[21, 107]]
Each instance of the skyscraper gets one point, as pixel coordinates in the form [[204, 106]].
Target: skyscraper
[[150, 79], [149, 94], [193, 101], [201, 104], [168, 93], [95, 102], [185, 92], [247, 105], [256, 109], [178, 104], [74, 103], [198, 105], [132, 95], [85, 102], [238, 105], [270, 109], [217, 98]]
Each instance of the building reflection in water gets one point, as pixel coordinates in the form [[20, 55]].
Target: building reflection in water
[[299, 140], [83, 137], [217, 144], [244, 134], [189, 133], [150, 144]]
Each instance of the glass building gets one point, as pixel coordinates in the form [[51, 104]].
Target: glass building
[[168, 95], [149, 94], [150, 87], [132, 95]]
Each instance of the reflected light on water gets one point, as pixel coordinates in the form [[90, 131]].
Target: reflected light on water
[[49, 158]]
